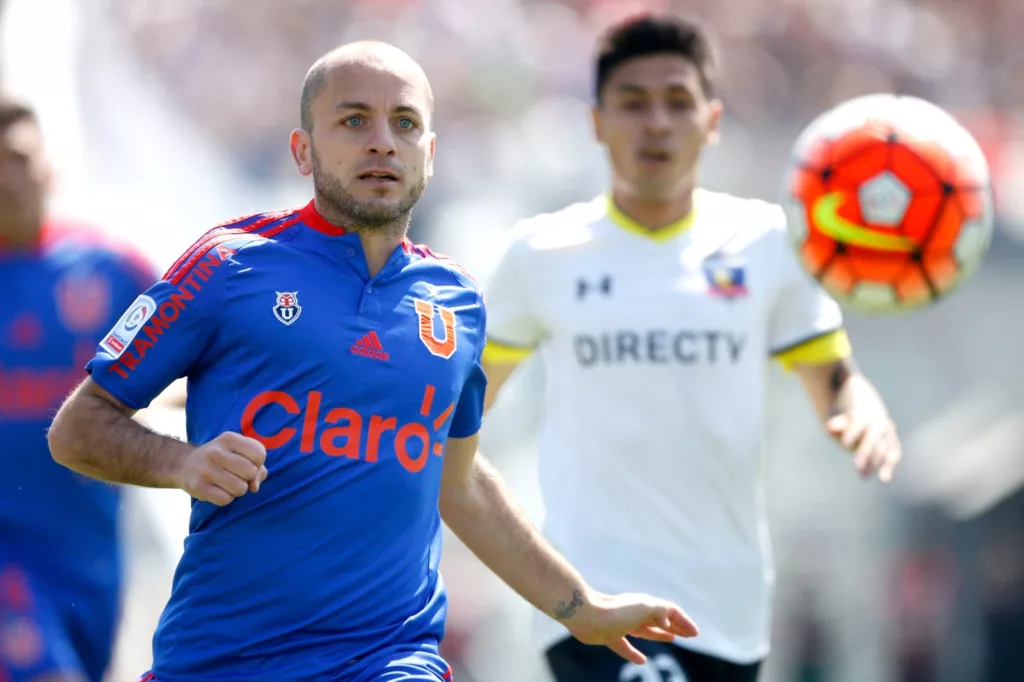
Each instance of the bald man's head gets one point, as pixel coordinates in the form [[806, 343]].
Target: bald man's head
[[371, 54], [366, 135]]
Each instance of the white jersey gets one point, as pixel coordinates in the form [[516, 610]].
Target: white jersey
[[656, 350]]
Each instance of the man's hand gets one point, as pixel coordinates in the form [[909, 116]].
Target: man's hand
[[870, 435], [607, 619], [475, 504], [227, 467], [853, 413]]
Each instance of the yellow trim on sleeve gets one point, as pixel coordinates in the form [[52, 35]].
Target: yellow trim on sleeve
[[660, 234], [500, 353], [817, 351]]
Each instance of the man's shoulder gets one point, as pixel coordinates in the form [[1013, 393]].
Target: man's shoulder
[[439, 266], [77, 245], [566, 227], [72, 238], [580, 214], [751, 216], [231, 236], [753, 230]]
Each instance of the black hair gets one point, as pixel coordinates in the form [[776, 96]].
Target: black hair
[[14, 111], [648, 34]]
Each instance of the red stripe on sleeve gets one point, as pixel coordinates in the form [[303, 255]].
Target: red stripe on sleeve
[[198, 252], [221, 229]]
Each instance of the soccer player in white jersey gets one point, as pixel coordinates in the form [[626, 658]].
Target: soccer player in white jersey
[[657, 309]]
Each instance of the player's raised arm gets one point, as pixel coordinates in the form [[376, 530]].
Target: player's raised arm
[[811, 341], [854, 413]]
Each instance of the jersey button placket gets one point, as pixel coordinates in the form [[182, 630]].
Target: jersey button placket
[[369, 306]]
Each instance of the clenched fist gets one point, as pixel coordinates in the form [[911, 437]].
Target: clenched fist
[[227, 467]]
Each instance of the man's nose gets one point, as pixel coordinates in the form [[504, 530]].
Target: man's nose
[[659, 120], [382, 140]]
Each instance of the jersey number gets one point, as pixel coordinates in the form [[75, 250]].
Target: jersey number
[[660, 668], [445, 346]]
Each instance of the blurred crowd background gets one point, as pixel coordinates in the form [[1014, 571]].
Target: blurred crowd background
[[167, 116]]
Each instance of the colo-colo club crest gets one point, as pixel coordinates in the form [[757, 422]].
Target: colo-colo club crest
[[287, 309]]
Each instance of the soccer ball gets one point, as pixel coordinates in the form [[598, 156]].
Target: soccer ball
[[888, 203]]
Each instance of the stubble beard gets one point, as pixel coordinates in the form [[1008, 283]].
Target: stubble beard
[[357, 215]]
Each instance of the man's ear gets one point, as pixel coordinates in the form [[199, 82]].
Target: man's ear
[[302, 151]]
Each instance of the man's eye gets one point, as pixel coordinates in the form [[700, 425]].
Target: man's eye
[[406, 123], [354, 121]]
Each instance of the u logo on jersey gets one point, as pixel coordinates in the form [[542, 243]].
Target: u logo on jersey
[[443, 347], [287, 308]]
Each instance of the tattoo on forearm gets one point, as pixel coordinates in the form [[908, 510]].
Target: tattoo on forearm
[[565, 611], [841, 371]]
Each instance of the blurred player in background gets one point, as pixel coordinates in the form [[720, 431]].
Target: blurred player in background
[[656, 310], [60, 563], [335, 393]]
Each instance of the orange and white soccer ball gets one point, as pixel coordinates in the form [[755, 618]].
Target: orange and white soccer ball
[[888, 202]]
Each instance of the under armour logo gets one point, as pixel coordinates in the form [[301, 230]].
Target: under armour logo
[[584, 287]]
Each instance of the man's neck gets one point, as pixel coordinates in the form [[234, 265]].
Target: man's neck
[[654, 215], [20, 238], [378, 242], [378, 245]]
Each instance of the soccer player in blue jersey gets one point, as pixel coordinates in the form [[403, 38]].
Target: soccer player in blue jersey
[[334, 396], [60, 564]]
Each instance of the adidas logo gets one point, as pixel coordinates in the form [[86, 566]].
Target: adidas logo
[[369, 347]]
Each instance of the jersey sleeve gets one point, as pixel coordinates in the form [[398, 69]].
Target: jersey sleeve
[[514, 326], [806, 323], [469, 412], [161, 336]]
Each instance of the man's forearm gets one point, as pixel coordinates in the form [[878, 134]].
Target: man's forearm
[[484, 516], [835, 387], [96, 438], [850, 390]]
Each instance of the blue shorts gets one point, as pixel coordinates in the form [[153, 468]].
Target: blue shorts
[[390, 666], [38, 638]]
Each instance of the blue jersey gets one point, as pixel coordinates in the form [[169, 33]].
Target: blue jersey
[[59, 298], [353, 383]]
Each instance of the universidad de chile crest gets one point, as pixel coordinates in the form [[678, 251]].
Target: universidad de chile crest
[[287, 309]]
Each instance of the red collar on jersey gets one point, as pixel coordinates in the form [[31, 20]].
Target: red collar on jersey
[[310, 217], [43, 237]]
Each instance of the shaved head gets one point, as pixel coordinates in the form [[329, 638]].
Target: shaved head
[[366, 136], [373, 54]]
